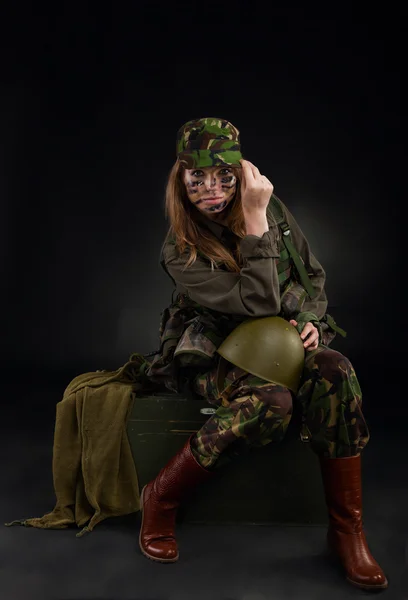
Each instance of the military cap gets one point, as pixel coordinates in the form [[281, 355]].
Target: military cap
[[208, 142]]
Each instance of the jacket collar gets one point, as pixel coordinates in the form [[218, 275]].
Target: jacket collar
[[216, 228]]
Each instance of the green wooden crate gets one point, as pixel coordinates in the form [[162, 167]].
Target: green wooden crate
[[279, 483]]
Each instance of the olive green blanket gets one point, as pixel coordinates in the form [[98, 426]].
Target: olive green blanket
[[93, 468]]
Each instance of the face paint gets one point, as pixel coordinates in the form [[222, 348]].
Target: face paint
[[210, 189]]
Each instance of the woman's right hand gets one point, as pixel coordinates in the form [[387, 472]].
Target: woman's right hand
[[256, 189]]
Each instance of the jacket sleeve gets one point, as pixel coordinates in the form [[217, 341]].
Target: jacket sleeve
[[314, 269], [254, 292]]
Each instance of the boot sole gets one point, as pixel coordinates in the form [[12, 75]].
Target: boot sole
[[161, 560], [371, 588]]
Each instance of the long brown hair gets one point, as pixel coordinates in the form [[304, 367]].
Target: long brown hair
[[187, 232]]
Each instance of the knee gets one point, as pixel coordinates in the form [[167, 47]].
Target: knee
[[333, 365], [277, 398]]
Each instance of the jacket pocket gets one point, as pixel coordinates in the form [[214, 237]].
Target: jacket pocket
[[292, 299], [198, 344]]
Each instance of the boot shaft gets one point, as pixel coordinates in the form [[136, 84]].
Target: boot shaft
[[342, 486], [180, 475]]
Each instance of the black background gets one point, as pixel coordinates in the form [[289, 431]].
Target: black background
[[91, 101], [91, 98]]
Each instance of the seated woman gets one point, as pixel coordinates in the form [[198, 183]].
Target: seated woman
[[229, 261]]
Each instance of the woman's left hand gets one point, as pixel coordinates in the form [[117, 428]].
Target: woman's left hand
[[311, 333]]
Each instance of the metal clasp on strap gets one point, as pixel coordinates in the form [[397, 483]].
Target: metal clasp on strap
[[305, 433], [207, 411]]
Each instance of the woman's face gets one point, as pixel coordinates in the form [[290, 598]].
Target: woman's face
[[210, 189]]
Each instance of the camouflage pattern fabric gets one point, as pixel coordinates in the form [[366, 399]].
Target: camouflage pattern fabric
[[253, 412], [189, 336], [292, 300], [208, 142]]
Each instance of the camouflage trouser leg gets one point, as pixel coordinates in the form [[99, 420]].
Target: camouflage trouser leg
[[254, 412], [251, 412], [330, 400]]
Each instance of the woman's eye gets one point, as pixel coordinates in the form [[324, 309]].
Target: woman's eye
[[225, 171], [197, 173]]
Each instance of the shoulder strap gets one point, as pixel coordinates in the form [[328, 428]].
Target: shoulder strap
[[277, 210]]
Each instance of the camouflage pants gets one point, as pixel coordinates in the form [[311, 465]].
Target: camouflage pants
[[253, 412]]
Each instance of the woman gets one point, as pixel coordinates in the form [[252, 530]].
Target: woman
[[229, 262]]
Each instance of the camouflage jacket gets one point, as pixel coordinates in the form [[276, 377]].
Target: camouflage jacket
[[210, 303]]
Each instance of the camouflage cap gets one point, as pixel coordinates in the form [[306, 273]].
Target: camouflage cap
[[208, 142]]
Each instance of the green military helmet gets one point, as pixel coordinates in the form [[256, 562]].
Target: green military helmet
[[268, 347]]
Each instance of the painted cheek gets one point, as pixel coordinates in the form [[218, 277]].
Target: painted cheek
[[229, 188], [192, 188], [229, 181], [195, 191]]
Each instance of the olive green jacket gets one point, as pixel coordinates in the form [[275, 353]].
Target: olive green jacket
[[211, 302], [255, 291]]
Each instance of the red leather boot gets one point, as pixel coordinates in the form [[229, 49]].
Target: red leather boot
[[159, 501], [345, 536]]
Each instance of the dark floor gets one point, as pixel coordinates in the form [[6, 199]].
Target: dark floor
[[217, 562]]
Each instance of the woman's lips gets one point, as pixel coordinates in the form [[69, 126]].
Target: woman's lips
[[212, 200]]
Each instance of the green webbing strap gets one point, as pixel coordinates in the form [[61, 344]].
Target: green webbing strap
[[332, 323], [304, 278], [279, 216]]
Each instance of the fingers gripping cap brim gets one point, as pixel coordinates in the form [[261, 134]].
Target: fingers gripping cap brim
[[195, 159]]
